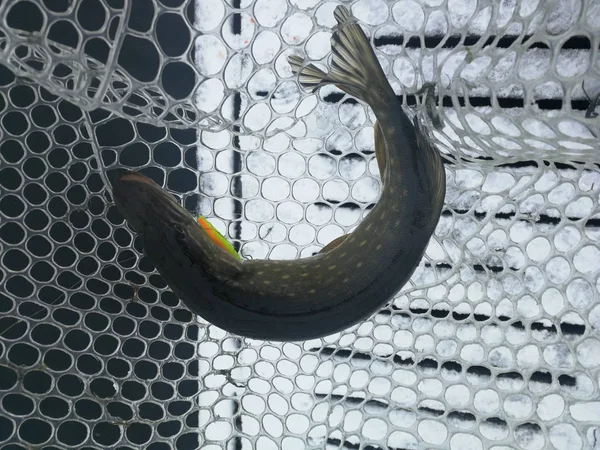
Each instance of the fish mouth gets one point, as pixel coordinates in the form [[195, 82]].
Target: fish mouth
[[139, 199], [130, 175]]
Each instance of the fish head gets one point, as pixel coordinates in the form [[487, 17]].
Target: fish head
[[145, 205], [182, 250]]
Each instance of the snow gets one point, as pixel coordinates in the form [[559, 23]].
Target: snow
[[292, 178]]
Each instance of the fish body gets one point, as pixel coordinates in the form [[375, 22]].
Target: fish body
[[351, 278]]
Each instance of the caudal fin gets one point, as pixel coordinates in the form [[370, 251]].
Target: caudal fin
[[310, 77], [354, 66]]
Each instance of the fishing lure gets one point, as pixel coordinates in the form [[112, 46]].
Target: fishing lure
[[351, 278], [217, 237]]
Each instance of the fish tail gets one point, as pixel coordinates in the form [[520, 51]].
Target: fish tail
[[310, 77], [354, 66]]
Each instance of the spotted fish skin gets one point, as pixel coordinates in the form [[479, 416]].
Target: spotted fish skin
[[349, 280]]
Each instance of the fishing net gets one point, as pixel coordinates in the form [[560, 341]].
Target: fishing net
[[495, 342]]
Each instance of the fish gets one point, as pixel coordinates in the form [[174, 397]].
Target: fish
[[351, 278]]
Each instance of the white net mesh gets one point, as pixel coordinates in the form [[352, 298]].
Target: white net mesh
[[495, 343]]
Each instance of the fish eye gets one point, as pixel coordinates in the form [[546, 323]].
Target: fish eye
[[179, 230]]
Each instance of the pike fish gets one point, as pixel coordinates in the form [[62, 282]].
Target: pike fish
[[352, 277]]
